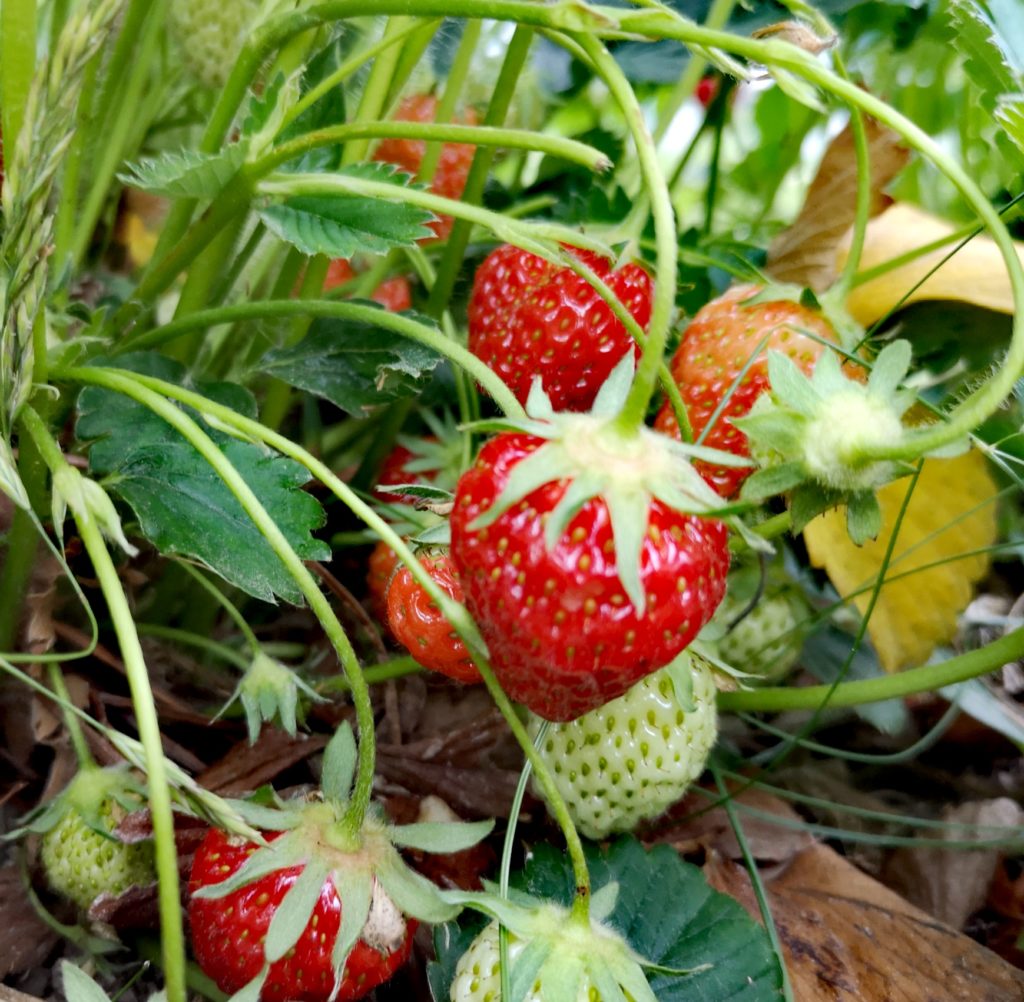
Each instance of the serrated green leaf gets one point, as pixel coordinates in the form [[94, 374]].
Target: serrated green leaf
[[339, 768], [441, 836], [668, 915], [344, 225], [355, 366], [186, 173], [989, 58], [427, 492], [183, 507], [1010, 117], [295, 910]]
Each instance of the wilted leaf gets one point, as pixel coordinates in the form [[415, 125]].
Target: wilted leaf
[[806, 252], [950, 515], [975, 274]]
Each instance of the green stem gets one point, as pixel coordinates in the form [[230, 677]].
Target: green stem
[[145, 714], [476, 180], [374, 97], [130, 64], [225, 603], [453, 85], [842, 287], [71, 722], [634, 411], [17, 65], [19, 560], [927, 678], [661, 23], [144, 388], [126, 383], [717, 17], [191, 639], [397, 322], [396, 668]]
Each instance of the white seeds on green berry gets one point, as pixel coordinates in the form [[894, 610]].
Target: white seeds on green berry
[[632, 758], [766, 642]]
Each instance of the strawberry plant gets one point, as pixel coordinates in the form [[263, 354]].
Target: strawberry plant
[[341, 341]]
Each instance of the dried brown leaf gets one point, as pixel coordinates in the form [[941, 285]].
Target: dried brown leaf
[[846, 938], [246, 767], [952, 884], [805, 253]]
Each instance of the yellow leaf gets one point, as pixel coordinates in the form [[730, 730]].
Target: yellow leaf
[[951, 514], [976, 274]]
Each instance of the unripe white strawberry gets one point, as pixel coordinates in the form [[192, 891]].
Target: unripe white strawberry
[[766, 642], [630, 759], [478, 972], [210, 34]]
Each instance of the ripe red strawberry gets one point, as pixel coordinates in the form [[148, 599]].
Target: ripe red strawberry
[[382, 563], [716, 346], [394, 294], [456, 158], [528, 317], [563, 634], [419, 626], [228, 932]]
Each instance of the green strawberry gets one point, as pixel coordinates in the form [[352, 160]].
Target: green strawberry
[[629, 760], [210, 34], [81, 856], [767, 640]]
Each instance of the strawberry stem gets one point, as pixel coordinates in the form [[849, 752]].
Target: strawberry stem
[[140, 390], [634, 411], [146, 389], [166, 853], [927, 678]]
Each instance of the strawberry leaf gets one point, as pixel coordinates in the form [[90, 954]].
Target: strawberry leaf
[[182, 506], [355, 366], [668, 915], [344, 225], [186, 173]]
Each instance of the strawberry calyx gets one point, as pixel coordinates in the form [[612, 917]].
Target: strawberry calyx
[[98, 796], [601, 459], [818, 436], [269, 691], [379, 892], [562, 953]]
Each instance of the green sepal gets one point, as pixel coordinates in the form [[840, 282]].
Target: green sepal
[[863, 517], [562, 980], [412, 893], [441, 836], [789, 383], [339, 768], [273, 819], [269, 691], [526, 968], [541, 467], [680, 673], [604, 900], [295, 910], [424, 492], [614, 391], [890, 368], [773, 431], [628, 511], [608, 989], [436, 535], [808, 501], [286, 851], [538, 403], [772, 481], [355, 891], [251, 991], [581, 490]]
